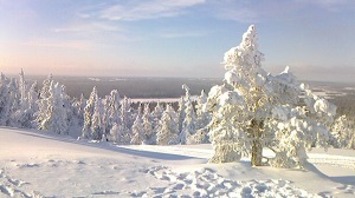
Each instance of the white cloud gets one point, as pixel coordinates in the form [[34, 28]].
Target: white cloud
[[148, 9], [90, 27], [174, 34], [54, 43]]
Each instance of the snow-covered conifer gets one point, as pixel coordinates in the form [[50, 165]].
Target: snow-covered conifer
[[54, 112], [203, 116], [97, 127], [167, 132], [11, 104], [343, 135], [137, 129], [79, 106], [126, 113], [23, 90], [42, 102], [253, 110], [88, 113], [149, 136], [119, 135], [112, 109], [189, 122], [181, 112]]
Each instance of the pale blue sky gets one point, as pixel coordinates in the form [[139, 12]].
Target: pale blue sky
[[181, 38]]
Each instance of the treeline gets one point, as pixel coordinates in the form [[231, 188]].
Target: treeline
[[113, 118], [117, 119]]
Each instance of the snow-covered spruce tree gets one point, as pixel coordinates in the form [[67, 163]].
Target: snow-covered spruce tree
[[343, 133], [188, 125], [12, 104], [202, 121], [88, 113], [167, 130], [3, 98], [28, 116], [105, 118], [112, 111], [55, 118], [118, 134], [149, 135], [79, 106], [156, 116], [137, 128], [97, 127], [125, 113], [181, 113], [253, 110], [25, 115], [23, 90], [203, 116], [42, 102]]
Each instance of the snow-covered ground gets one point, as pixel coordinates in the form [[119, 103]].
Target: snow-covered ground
[[34, 164]]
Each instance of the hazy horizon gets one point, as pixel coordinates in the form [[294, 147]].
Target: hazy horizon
[[177, 38]]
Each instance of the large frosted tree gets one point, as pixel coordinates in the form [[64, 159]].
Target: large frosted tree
[[253, 110]]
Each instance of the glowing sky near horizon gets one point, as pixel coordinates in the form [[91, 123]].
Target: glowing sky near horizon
[[175, 38]]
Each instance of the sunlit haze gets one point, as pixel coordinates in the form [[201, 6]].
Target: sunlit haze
[[175, 38]]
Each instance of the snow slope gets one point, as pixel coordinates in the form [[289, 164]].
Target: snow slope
[[34, 164]]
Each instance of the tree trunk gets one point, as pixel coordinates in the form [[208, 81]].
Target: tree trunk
[[256, 155], [257, 147]]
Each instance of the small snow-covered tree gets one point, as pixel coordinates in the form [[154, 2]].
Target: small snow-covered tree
[[181, 113], [112, 109], [137, 129], [43, 102], [88, 113], [97, 127], [188, 125], [156, 116], [149, 135], [12, 104], [167, 132], [119, 135], [203, 116], [27, 117], [125, 113], [55, 113], [78, 109], [23, 90], [343, 133], [253, 110], [3, 94]]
